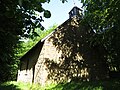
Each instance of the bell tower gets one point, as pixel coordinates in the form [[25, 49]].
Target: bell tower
[[75, 11]]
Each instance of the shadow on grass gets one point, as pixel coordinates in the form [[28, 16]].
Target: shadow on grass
[[96, 85], [9, 87]]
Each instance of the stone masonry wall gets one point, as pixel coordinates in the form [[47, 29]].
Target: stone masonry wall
[[48, 52], [67, 56]]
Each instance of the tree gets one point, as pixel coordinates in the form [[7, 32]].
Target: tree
[[25, 46], [106, 23], [18, 19]]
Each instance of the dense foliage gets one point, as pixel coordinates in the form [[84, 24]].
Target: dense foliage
[[103, 17], [18, 19]]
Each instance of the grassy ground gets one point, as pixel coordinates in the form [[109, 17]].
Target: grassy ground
[[98, 85]]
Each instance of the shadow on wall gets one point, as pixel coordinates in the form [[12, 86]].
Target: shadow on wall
[[79, 61], [30, 58]]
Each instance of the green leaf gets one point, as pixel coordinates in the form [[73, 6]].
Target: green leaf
[[82, 1], [43, 1], [47, 14], [33, 17], [86, 1], [63, 1]]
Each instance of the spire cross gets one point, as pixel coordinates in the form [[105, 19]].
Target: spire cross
[[74, 2]]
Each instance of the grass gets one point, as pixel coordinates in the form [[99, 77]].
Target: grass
[[97, 85]]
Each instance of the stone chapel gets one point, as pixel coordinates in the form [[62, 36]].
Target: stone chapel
[[64, 55]]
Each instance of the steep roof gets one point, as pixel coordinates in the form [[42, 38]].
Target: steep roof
[[41, 42], [75, 7]]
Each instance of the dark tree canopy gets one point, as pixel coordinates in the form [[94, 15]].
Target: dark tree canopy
[[103, 17], [20, 16], [18, 19]]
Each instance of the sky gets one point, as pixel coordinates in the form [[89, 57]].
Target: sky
[[59, 11]]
